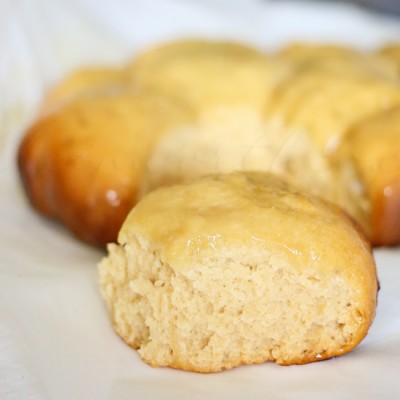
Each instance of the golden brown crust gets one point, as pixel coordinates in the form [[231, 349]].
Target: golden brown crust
[[386, 222], [325, 101], [33, 160], [210, 74], [373, 146], [82, 164]]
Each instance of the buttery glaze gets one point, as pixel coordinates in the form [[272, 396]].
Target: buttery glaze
[[255, 210]]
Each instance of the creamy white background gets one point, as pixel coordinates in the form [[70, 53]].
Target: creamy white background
[[55, 337]]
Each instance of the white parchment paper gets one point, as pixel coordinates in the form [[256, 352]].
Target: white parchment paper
[[55, 338]]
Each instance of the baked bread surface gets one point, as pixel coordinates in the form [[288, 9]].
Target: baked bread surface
[[373, 146], [243, 140], [83, 163], [291, 113], [326, 99], [237, 269], [209, 74]]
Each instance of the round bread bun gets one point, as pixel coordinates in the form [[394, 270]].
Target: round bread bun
[[325, 100], [235, 140], [83, 163], [238, 269], [287, 113], [372, 146], [210, 74]]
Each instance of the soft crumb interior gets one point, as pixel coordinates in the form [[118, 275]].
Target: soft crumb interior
[[223, 313]]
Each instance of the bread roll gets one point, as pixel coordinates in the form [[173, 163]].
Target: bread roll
[[289, 113], [233, 141], [210, 74], [83, 163], [326, 102], [238, 269], [372, 146], [308, 116]]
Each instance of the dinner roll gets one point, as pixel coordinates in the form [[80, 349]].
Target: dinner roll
[[83, 163], [238, 269], [372, 147], [210, 74], [326, 101], [233, 140], [292, 112]]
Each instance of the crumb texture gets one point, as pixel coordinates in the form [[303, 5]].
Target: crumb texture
[[198, 300]]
